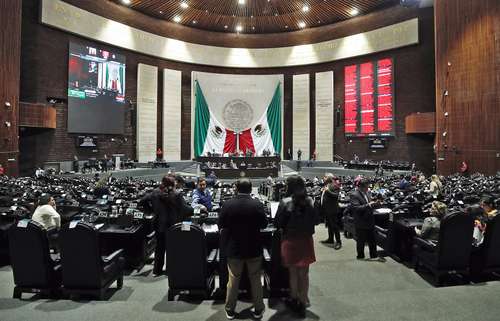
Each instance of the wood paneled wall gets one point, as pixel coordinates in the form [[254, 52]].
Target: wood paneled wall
[[468, 69], [44, 73], [37, 115], [10, 53]]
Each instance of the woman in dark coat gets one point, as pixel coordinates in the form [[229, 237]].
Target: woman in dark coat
[[296, 217], [169, 208]]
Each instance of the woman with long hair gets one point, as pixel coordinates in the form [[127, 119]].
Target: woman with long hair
[[435, 187], [296, 219], [169, 208]]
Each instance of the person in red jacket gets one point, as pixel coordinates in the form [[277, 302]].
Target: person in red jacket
[[464, 168], [2, 170], [159, 154]]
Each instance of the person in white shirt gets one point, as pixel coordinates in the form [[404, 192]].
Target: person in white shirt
[[46, 213]]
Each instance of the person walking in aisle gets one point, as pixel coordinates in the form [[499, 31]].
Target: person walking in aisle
[[330, 210], [296, 218]]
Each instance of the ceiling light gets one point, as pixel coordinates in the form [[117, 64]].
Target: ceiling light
[[253, 27], [241, 1], [354, 12], [161, 12], [286, 27], [302, 24], [127, 2], [195, 22], [177, 19], [305, 8], [225, 27], [239, 28], [184, 5]]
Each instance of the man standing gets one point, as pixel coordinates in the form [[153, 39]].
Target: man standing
[[364, 222], [241, 219], [201, 197], [330, 210], [299, 154]]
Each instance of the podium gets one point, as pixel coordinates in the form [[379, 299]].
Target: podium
[[117, 158]]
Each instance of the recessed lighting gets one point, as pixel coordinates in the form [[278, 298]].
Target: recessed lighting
[[286, 27], [177, 19], [302, 24], [305, 8], [275, 14], [239, 28], [195, 22], [161, 12], [126, 2], [354, 12], [241, 1], [225, 27], [251, 16], [184, 5], [253, 27]]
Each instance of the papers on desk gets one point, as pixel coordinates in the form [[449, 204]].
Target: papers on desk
[[210, 228], [98, 226], [274, 208]]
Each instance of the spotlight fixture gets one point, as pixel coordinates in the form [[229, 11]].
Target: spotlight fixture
[[7, 104], [354, 12], [126, 2], [239, 28], [177, 19], [241, 2], [195, 22], [302, 24], [305, 8], [225, 27], [184, 5]]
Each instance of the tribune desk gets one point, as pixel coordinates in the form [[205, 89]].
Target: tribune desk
[[253, 166]]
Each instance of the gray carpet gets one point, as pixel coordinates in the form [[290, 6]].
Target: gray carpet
[[341, 289]]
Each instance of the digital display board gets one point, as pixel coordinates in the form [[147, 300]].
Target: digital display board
[[96, 90], [369, 101]]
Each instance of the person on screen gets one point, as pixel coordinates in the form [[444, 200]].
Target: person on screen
[[201, 197]]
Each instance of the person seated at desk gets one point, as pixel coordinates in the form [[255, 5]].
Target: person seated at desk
[[169, 208], [488, 205], [202, 197], [430, 228], [211, 178], [232, 164], [243, 165], [46, 213]]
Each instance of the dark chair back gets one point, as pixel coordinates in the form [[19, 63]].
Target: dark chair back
[[30, 255], [80, 256], [186, 257], [491, 244], [455, 241]]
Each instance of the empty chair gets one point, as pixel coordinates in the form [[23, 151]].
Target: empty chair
[[85, 271], [35, 271], [453, 250], [190, 267]]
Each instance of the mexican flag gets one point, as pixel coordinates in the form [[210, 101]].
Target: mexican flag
[[210, 136]]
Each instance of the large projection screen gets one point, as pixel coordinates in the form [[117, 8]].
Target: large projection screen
[[96, 90]]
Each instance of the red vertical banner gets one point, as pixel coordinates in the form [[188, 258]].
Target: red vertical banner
[[366, 93], [351, 100], [385, 98]]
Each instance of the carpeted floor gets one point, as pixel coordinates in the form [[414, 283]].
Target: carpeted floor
[[342, 288]]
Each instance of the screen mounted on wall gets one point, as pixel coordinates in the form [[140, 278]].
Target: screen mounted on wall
[[369, 100], [96, 90]]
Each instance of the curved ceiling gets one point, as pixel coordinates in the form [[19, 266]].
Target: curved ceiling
[[255, 16]]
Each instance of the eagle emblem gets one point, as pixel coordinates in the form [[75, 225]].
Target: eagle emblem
[[259, 130], [217, 132]]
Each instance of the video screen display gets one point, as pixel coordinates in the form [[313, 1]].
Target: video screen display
[[96, 90], [369, 101]]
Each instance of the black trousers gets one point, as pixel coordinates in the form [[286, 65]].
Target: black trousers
[[366, 236], [333, 225], [160, 252]]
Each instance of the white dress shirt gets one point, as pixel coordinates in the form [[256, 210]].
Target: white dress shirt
[[47, 216]]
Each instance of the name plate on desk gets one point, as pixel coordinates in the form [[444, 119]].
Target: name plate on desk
[[186, 226], [23, 223]]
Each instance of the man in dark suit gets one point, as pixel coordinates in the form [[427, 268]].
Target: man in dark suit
[[241, 219], [364, 222], [330, 210]]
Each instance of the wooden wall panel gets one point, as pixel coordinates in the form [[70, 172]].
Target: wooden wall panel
[[420, 123], [10, 53], [37, 115], [467, 68], [44, 73]]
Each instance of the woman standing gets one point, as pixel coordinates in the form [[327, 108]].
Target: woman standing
[[296, 218], [435, 187], [169, 208]]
